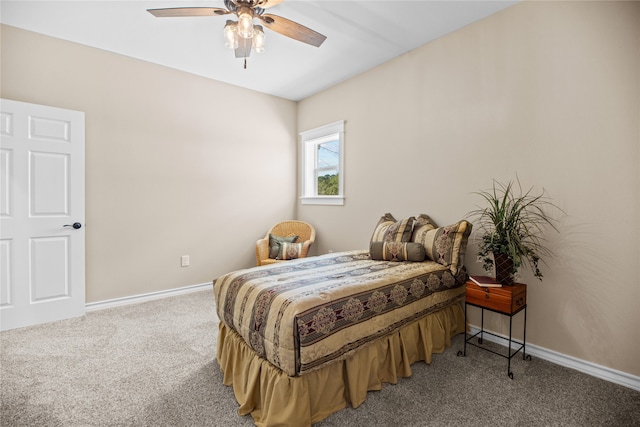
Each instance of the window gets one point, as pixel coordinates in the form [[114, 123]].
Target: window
[[322, 165]]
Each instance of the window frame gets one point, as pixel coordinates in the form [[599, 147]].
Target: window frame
[[310, 140]]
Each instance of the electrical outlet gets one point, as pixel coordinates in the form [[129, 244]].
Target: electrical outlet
[[184, 260]]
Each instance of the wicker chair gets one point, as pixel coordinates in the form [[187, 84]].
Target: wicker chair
[[305, 232]]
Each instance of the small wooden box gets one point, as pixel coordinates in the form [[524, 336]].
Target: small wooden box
[[506, 300]]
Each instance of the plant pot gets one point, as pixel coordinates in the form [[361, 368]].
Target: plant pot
[[504, 269]]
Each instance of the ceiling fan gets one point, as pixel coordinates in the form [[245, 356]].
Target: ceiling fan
[[242, 35]]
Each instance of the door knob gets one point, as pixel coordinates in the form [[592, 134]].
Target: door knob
[[75, 225]]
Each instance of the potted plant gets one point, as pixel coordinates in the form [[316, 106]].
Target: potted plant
[[511, 228]]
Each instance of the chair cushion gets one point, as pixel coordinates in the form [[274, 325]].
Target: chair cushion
[[276, 241], [289, 251]]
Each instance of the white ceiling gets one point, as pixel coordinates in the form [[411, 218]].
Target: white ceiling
[[360, 36]]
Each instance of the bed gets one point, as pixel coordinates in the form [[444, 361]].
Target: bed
[[301, 340]]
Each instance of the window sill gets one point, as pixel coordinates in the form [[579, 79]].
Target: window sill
[[323, 200]]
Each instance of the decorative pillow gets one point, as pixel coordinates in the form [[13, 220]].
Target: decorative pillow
[[289, 250], [390, 230], [447, 245], [422, 224], [397, 251], [276, 241]]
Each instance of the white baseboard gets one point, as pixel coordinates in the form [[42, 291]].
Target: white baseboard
[[598, 371], [135, 299]]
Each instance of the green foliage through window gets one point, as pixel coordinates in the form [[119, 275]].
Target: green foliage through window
[[328, 185]]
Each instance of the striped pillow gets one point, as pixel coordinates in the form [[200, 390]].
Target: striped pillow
[[422, 224], [390, 230], [397, 251], [447, 245]]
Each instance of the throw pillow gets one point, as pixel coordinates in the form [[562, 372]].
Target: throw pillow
[[397, 251], [447, 245], [289, 250], [422, 224], [276, 241], [389, 230]]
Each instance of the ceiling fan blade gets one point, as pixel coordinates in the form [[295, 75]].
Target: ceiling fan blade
[[188, 11], [292, 29]]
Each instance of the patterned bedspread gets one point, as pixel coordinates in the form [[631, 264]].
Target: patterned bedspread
[[306, 313]]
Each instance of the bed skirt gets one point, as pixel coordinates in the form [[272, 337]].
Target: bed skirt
[[275, 399]]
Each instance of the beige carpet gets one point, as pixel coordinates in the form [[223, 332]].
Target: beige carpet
[[153, 364]]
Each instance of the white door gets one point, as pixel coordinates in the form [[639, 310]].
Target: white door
[[41, 199]]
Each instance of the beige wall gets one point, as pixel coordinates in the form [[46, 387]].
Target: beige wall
[[173, 167], [545, 90]]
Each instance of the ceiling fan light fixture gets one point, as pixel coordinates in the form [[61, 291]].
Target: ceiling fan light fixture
[[258, 38], [245, 22], [241, 35], [231, 35]]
